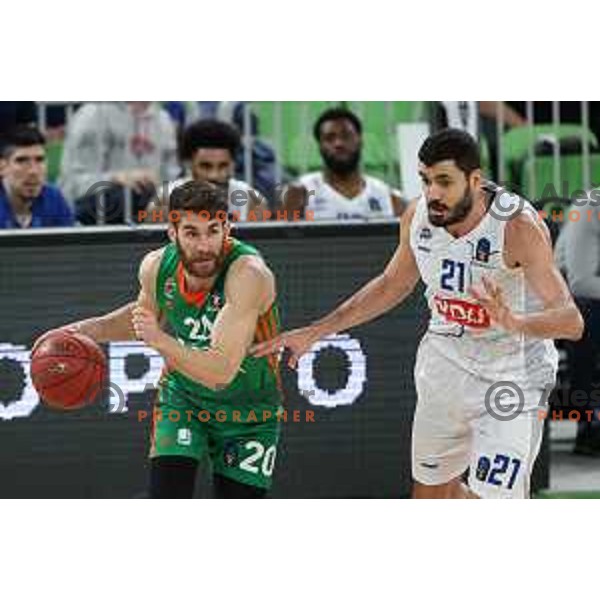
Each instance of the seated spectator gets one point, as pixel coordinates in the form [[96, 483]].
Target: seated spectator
[[25, 198], [341, 190], [208, 150], [113, 149], [53, 118], [186, 113], [577, 253], [264, 165]]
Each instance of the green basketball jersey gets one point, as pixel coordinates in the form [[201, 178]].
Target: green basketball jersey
[[191, 317]]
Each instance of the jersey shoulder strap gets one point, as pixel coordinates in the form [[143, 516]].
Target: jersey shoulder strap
[[166, 270], [235, 248]]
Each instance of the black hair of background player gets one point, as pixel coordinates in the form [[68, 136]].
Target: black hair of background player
[[209, 133], [22, 136], [336, 114]]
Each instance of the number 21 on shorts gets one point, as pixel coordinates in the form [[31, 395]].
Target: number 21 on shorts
[[502, 471]]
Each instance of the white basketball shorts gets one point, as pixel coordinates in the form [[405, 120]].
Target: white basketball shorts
[[454, 430]]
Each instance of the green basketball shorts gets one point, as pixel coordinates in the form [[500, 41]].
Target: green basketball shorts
[[240, 440]]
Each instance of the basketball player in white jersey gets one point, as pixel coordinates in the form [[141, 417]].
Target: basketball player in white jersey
[[341, 190], [497, 301], [209, 147]]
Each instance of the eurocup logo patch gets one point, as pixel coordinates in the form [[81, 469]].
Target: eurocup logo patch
[[216, 301], [230, 453], [483, 250], [169, 288]]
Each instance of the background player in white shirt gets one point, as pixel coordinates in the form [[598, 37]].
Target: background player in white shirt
[[208, 149], [497, 301], [341, 190]]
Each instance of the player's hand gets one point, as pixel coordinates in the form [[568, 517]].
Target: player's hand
[[138, 180], [492, 299], [146, 326], [146, 178], [298, 341]]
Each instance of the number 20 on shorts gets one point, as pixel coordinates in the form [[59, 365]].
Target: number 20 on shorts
[[253, 462]]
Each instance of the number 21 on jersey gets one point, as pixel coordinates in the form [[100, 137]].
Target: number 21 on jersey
[[453, 275]]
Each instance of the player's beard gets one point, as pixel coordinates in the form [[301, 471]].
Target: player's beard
[[342, 166], [454, 215], [204, 265]]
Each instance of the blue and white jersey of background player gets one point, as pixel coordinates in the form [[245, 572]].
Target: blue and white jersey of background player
[[325, 202]]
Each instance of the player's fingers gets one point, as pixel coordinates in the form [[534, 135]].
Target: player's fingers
[[142, 315], [500, 295], [297, 353], [488, 285], [476, 293], [259, 350], [268, 347], [492, 288], [139, 332], [486, 302]]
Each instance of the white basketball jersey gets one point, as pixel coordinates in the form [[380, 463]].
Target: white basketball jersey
[[238, 194], [459, 326], [375, 199]]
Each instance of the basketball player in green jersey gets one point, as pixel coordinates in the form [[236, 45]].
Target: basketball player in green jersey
[[217, 296]]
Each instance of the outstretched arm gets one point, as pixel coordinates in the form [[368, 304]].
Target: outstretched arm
[[249, 289], [112, 327], [117, 325], [378, 296]]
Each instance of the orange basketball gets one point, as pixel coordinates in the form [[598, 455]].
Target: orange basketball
[[68, 370]]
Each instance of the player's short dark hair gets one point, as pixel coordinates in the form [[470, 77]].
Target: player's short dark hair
[[199, 196], [335, 114], [209, 133], [22, 136], [451, 144]]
